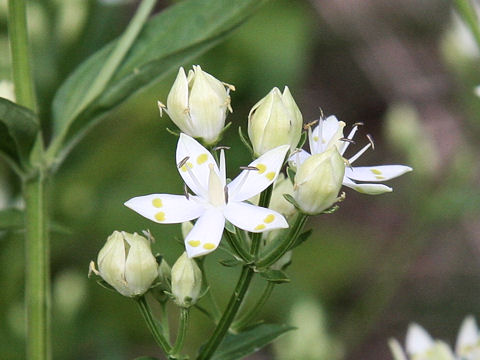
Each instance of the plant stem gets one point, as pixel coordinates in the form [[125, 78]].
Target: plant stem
[[152, 326], [229, 314], [469, 15], [246, 319], [37, 272], [182, 331], [286, 245], [18, 36], [237, 247], [215, 309], [264, 201]]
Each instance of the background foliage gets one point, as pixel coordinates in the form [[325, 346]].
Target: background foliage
[[406, 69]]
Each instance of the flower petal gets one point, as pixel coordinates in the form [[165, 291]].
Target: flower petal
[[370, 189], [468, 335], [166, 208], [298, 157], [251, 182], [253, 218], [206, 233], [195, 171], [418, 341], [376, 173]]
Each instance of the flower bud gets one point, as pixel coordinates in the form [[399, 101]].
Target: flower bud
[[198, 104], [126, 263], [278, 202], [186, 281], [318, 181], [273, 121]]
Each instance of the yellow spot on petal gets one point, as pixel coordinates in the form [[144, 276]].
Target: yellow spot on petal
[[376, 172], [269, 218], [160, 216], [315, 138], [187, 166], [157, 203], [209, 246], [379, 177], [260, 227], [202, 158], [270, 175], [194, 243], [261, 168]]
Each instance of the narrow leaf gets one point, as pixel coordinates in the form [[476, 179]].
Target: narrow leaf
[[175, 36], [275, 276], [18, 129], [245, 343]]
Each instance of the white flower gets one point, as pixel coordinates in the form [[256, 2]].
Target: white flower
[[329, 133], [468, 341], [215, 200]]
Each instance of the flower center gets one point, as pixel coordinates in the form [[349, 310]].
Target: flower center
[[216, 193]]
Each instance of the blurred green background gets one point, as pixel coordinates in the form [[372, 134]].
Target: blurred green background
[[407, 69]]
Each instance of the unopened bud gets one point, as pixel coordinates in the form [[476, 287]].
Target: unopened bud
[[318, 181], [186, 281], [273, 121], [126, 263], [198, 104]]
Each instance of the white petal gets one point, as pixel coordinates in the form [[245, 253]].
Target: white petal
[[468, 334], [253, 218], [376, 173], [418, 340], [251, 182], [396, 349], [195, 172], [298, 157], [332, 131], [177, 102], [206, 233], [370, 189], [166, 208]]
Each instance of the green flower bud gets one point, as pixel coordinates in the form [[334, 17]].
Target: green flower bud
[[278, 202], [164, 274], [318, 181], [198, 104], [126, 263], [273, 121], [186, 281]]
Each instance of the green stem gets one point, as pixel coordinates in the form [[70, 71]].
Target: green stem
[[469, 15], [264, 201], [182, 331], [237, 247], [215, 309], [152, 326], [286, 245], [246, 319], [228, 315], [165, 325], [22, 72], [37, 272]]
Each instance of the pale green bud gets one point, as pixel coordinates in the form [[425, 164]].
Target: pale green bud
[[7, 90], [126, 263], [318, 181], [186, 281], [165, 274], [273, 121], [198, 104], [278, 202]]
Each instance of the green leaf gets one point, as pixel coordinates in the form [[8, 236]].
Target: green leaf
[[11, 219], [18, 129], [245, 140], [303, 139], [230, 262], [275, 276], [175, 36], [291, 174], [245, 343]]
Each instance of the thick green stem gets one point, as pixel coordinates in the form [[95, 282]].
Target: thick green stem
[[182, 332], [18, 36], [229, 314], [246, 319], [152, 326], [285, 245], [264, 201], [37, 273]]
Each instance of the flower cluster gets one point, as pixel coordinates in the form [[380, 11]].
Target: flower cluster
[[419, 345]]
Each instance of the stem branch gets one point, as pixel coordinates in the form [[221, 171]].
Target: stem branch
[[152, 326]]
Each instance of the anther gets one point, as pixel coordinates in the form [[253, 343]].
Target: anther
[[310, 124], [183, 161], [370, 139], [225, 191], [321, 112], [221, 147], [249, 168], [185, 191], [347, 140], [358, 124]]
